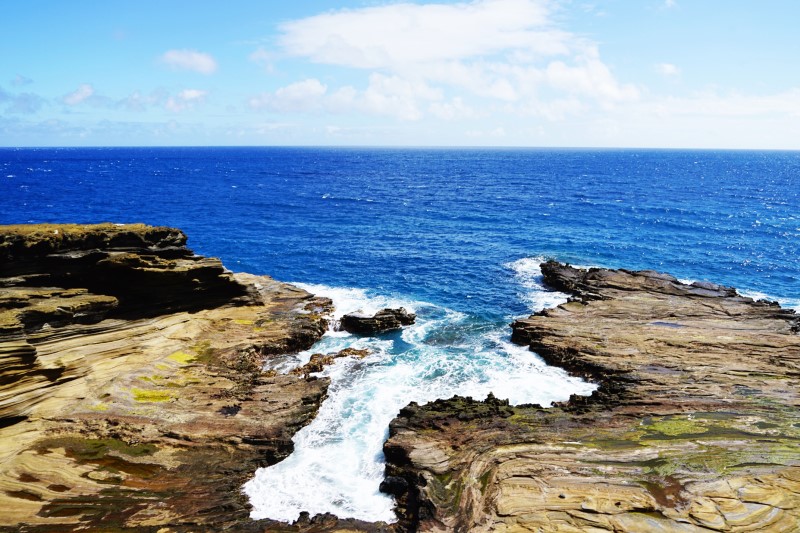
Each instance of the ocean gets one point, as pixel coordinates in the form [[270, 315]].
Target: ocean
[[455, 235]]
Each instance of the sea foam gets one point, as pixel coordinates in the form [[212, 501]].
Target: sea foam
[[337, 464]]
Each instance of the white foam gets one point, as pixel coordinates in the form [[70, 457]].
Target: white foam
[[353, 300], [337, 464], [534, 293], [788, 303]]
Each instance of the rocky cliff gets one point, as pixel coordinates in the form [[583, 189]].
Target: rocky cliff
[[131, 387], [694, 426]]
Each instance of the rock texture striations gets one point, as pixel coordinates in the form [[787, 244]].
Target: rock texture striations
[[694, 425], [131, 387], [132, 397]]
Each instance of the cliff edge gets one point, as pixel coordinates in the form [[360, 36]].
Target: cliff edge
[[132, 395]]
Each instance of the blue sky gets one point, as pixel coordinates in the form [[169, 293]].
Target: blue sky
[[613, 73]]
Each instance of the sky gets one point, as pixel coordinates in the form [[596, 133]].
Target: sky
[[539, 73]]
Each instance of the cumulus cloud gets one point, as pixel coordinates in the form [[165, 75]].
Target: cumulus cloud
[[137, 101], [263, 57], [446, 59], [190, 60], [452, 109], [591, 77], [393, 96], [387, 36], [78, 96], [21, 103], [186, 99], [301, 96], [668, 69], [398, 97]]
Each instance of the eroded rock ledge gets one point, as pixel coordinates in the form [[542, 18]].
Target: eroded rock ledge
[[694, 426], [132, 395]]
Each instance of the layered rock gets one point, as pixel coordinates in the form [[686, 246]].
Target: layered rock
[[381, 322], [131, 385], [694, 425], [148, 270]]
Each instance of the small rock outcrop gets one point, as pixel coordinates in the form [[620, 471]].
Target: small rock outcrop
[[694, 425], [319, 361], [382, 321]]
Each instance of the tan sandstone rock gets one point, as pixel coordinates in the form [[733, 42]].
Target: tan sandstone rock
[[694, 426]]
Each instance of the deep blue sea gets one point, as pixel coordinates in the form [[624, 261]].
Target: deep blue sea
[[454, 234]]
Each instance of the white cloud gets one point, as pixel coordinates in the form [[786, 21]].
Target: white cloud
[[136, 101], [452, 110], [190, 60], [393, 96], [669, 4], [590, 77], [555, 110], [407, 34], [731, 105], [80, 95], [668, 69], [186, 99], [397, 97], [302, 96], [478, 53], [264, 58], [498, 132]]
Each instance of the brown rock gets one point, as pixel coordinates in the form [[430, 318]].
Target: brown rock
[[694, 426], [147, 269], [120, 411], [318, 361]]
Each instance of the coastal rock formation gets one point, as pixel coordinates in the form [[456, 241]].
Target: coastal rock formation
[[382, 321], [318, 361], [133, 397], [131, 385], [694, 426]]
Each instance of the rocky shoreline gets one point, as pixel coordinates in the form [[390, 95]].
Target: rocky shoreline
[[132, 394], [694, 426], [133, 398]]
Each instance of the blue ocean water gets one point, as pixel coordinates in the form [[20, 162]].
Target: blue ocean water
[[436, 224], [454, 234]]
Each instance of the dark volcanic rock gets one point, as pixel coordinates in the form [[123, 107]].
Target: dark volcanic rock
[[148, 270], [383, 320]]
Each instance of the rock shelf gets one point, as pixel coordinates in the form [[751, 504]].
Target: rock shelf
[[133, 397], [694, 426]]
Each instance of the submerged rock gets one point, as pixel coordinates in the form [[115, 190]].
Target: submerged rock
[[382, 321], [694, 425]]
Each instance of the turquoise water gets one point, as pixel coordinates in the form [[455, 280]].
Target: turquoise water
[[455, 235]]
